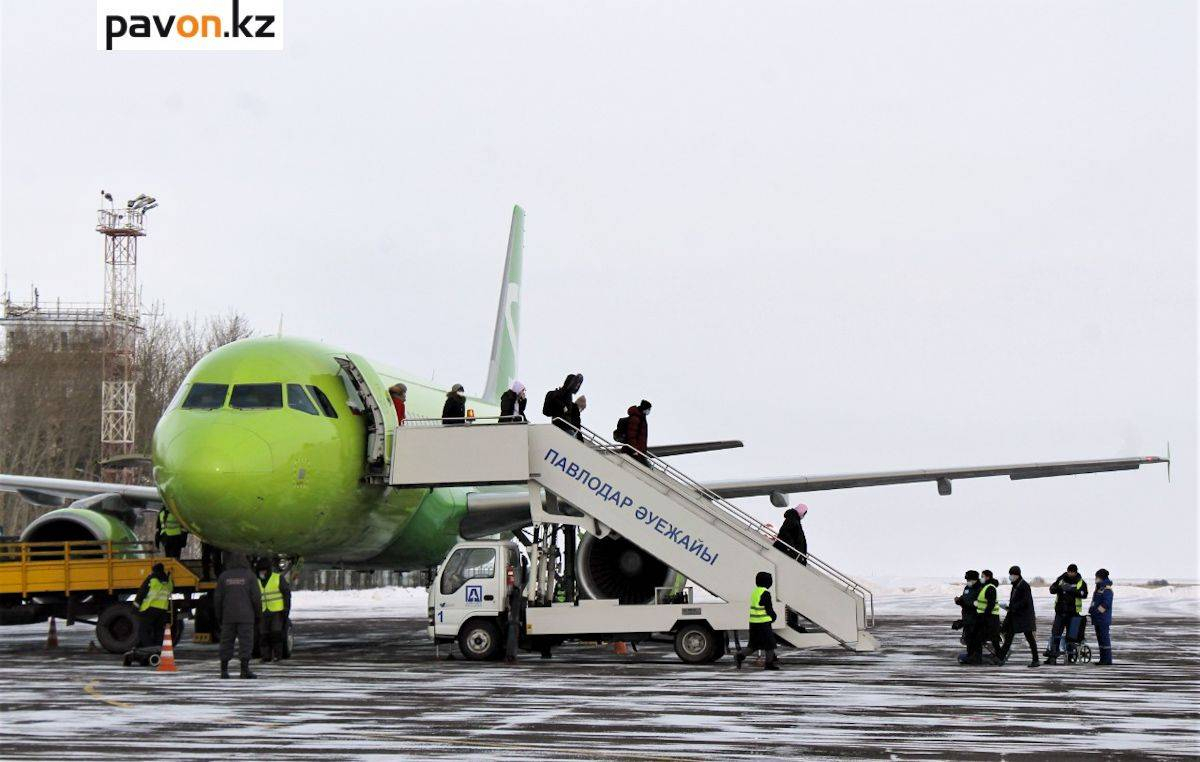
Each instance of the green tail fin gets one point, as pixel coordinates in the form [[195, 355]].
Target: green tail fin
[[502, 370]]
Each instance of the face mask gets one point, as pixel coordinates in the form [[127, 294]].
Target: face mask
[[1013, 578], [1097, 581]]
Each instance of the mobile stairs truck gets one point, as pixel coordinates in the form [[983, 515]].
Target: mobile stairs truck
[[579, 482]]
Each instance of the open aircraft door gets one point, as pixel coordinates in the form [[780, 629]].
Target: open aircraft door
[[366, 392]]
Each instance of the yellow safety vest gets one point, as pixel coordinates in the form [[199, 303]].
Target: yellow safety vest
[[272, 597], [981, 600], [1079, 601], [158, 596], [758, 612], [169, 525]]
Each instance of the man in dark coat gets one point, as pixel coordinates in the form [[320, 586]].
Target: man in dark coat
[[558, 402], [762, 615], [512, 404], [237, 602], [966, 603], [1020, 617], [637, 433], [454, 411], [791, 540], [1070, 591]]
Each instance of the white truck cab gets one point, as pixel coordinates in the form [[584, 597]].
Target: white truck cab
[[471, 588], [470, 602]]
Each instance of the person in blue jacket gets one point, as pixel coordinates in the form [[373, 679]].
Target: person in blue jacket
[[1101, 613]]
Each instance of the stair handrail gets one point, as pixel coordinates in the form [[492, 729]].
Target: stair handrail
[[758, 528]]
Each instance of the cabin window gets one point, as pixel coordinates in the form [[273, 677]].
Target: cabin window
[[323, 401], [256, 396], [298, 400], [205, 396], [465, 564]]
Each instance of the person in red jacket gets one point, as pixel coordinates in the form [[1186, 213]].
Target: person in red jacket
[[637, 433], [399, 393]]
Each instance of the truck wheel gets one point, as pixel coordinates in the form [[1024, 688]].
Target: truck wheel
[[696, 643], [479, 640], [117, 628]]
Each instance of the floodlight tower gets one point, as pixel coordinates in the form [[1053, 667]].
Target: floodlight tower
[[121, 229]]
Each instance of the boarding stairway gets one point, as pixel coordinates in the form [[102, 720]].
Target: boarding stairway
[[658, 508]]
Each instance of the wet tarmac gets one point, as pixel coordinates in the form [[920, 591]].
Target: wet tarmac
[[372, 688]]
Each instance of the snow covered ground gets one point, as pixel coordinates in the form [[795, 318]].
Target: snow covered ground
[[374, 689], [909, 597]]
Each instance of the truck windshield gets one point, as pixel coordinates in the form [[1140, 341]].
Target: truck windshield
[[465, 564]]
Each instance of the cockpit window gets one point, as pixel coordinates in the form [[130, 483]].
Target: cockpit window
[[205, 396], [256, 396], [298, 400], [323, 401]]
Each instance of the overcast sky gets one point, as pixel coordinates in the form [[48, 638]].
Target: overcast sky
[[858, 236]]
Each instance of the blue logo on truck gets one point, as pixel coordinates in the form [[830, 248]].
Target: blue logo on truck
[[474, 593]]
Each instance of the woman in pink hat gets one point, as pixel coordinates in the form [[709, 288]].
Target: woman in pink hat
[[791, 534]]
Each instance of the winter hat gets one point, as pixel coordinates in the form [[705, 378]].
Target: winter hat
[[518, 387], [800, 510], [1102, 573], [763, 579], [1015, 570], [645, 405], [456, 388], [971, 575], [1072, 568]]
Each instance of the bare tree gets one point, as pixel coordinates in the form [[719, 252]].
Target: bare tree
[[50, 395]]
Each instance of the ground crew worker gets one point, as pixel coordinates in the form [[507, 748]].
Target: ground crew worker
[[169, 534], [1101, 612], [454, 411], [990, 618], [512, 404], [276, 607], [153, 600], [1070, 591], [966, 604], [238, 605], [1020, 617], [762, 614], [399, 394]]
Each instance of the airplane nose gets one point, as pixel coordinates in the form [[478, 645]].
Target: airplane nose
[[215, 478], [217, 449]]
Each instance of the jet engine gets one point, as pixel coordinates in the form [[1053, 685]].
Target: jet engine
[[98, 518], [613, 567]]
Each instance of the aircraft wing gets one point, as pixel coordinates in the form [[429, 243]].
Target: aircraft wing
[[56, 493], [665, 451], [943, 477]]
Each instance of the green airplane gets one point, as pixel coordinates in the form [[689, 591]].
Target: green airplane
[[275, 446]]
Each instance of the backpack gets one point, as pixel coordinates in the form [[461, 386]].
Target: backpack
[[550, 406], [621, 432]]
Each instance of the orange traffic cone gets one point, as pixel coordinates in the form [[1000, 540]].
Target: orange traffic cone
[[620, 649], [52, 636], [166, 660]]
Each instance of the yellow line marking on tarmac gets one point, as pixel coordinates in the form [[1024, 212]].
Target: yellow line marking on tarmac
[[90, 689]]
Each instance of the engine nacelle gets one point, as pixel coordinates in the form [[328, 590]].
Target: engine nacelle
[[81, 522], [613, 567]]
